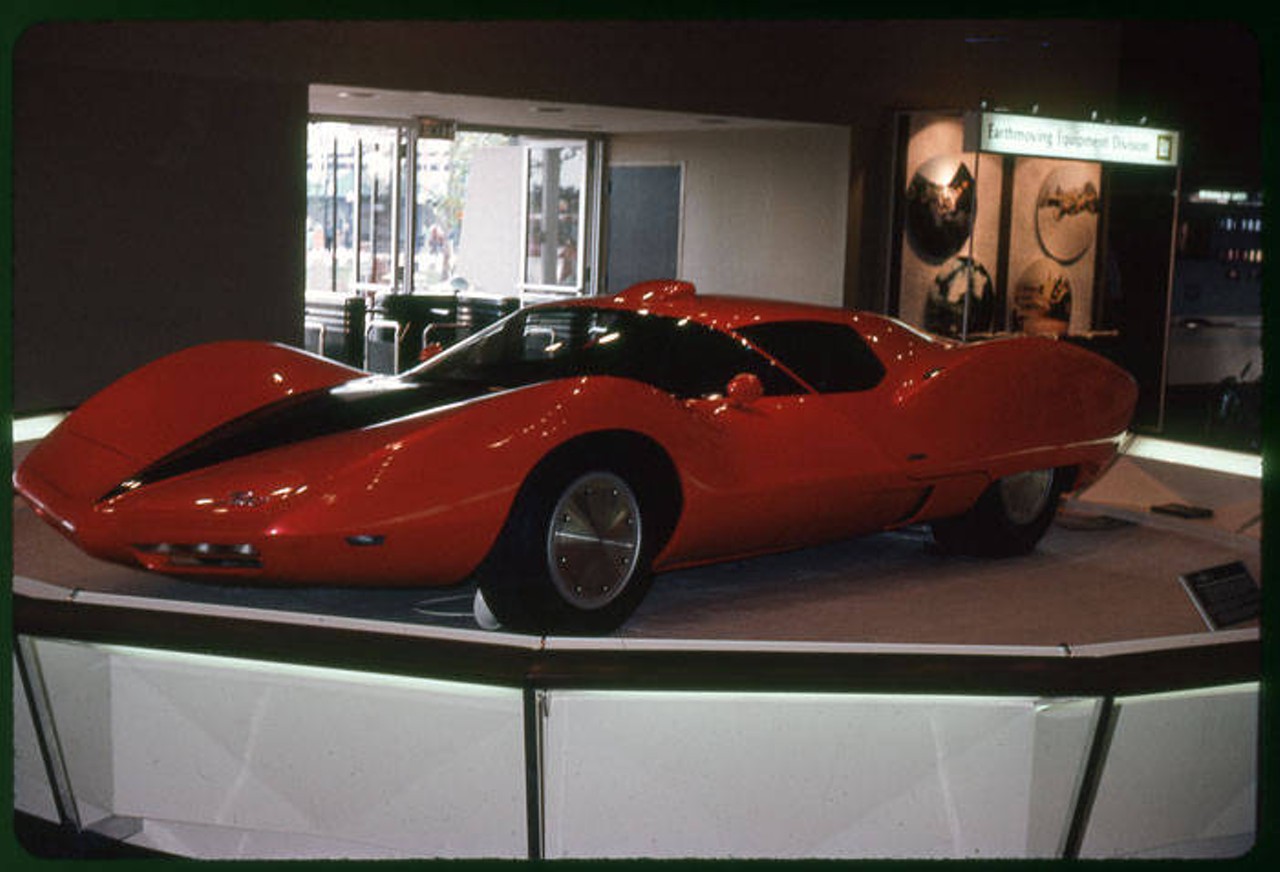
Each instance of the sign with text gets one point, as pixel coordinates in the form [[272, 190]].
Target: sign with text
[[1224, 595], [1034, 136], [437, 128]]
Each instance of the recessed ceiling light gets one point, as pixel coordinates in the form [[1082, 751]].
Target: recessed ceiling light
[[357, 95]]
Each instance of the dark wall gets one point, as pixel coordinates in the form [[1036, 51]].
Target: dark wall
[[151, 212], [159, 166], [1205, 79], [832, 71]]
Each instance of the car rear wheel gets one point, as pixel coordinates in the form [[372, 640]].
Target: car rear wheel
[[574, 556], [1009, 518]]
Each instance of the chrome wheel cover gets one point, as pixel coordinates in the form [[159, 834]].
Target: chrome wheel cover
[[1025, 494], [593, 541]]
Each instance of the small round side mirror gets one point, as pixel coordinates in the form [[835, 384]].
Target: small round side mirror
[[744, 389]]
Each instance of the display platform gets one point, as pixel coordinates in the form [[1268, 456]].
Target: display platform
[[869, 698], [1106, 572]]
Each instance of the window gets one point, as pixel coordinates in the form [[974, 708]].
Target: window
[[460, 238], [555, 203], [829, 357], [701, 361], [353, 207]]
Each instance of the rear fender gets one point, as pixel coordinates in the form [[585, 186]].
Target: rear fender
[[1014, 396]]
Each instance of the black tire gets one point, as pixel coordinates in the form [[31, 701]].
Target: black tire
[[574, 556], [1009, 518]]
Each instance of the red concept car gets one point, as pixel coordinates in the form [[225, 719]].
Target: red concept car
[[566, 453]]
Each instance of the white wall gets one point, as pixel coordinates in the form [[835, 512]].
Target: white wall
[[765, 211]]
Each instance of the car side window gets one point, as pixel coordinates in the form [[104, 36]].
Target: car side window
[[680, 356], [830, 357], [702, 360]]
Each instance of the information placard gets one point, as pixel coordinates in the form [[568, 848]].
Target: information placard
[[1224, 595]]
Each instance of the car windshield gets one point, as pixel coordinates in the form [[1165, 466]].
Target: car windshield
[[679, 356]]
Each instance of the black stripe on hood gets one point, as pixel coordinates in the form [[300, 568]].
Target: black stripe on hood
[[299, 418]]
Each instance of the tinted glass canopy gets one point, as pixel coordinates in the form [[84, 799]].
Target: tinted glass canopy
[[679, 356]]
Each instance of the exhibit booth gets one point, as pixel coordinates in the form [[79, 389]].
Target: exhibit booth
[[1008, 223]]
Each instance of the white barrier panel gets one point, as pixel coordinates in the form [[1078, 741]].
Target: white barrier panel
[[1181, 776], [286, 760], [79, 682], [656, 774], [31, 791]]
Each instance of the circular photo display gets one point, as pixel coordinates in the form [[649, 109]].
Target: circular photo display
[[1067, 212], [1042, 299], [940, 206], [944, 308]]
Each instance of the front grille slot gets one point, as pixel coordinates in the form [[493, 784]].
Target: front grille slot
[[204, 555]]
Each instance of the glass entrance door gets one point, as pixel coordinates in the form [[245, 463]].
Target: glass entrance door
[[354, 208], [405, 231], [389, 212], [555, 212]]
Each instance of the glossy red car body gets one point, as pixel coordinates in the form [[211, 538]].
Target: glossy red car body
[[420, 498]]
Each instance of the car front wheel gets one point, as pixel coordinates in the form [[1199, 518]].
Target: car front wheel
[[574, 556]]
